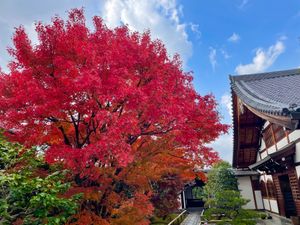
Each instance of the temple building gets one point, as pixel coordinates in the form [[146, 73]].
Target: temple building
[[266, 152]]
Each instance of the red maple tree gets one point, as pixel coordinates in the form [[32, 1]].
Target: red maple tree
[[95, 97]]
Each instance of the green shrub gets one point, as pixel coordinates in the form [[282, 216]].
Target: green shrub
[[223, 199], [30, 190], [227, 206]]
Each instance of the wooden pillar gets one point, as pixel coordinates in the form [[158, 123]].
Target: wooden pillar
[[280, 198], [253, 192], [183, 200], [287, 136], [273, 135], [295, 188]]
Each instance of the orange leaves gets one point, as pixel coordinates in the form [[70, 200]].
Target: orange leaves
[[113, 200], [87, 218], [133, 211]]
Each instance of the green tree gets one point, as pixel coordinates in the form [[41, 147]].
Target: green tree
[[223, 198], [227, 206], [220, 177], [31, 191], [198, 192]]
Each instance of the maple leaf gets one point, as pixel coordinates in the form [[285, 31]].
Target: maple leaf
[[111, 106]]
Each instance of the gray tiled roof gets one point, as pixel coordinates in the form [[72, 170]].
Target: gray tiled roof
[[274, 93], [240, 173]]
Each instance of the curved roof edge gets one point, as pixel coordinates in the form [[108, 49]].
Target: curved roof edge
[[243, 87]]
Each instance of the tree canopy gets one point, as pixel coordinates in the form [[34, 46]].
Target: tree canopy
[[113, 108], [221, 177]]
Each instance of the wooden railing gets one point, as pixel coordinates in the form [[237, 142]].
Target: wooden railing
[[178, 219]]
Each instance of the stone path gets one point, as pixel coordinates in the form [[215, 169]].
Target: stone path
[[193, 218], [276, 220]]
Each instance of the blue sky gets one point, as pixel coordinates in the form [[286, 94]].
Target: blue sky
[[215, 38]]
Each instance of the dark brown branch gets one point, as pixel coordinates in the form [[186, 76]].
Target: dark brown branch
[[52, 119], [178, 157], [76, 127], [90, 128], [66, 140], [154, 132]]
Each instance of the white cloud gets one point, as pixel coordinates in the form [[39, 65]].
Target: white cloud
[[15, 13], [224, 143], [234, 38], [225, 53], [262, 60], [32, 34], [196, 30], [213, 57], [283, 38], [227, 103], [224, 146], [161, 17], [3, 66]]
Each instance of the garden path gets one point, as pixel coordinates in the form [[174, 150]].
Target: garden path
[[276, 220], [193, 218]]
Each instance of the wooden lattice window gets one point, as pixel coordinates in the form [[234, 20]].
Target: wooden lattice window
[[268, 136], [279, 132]]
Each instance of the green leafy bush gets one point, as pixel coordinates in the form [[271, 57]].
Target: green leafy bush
[[220, 177], [30, 191], [227, 206], [223, 199]]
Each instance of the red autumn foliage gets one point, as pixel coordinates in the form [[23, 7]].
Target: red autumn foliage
[[113, 107], [87, 218]]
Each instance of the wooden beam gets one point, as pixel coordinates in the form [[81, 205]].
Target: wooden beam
[[253, 192], [280, 120], [245, 164], [273, 135], [250, 125], [249, 145]]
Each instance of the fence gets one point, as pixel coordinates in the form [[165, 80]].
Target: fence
[[178, 219]]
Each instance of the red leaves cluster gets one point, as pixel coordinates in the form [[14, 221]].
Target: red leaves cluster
[[98, 97]]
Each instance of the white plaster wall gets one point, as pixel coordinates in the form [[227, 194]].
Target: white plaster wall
[[273, 202], [264, 154], [298, 171], [246, 191], [263, 144], [274, 205], [266, 204], [258, 157], [297, 155], [294, 135], [259, 201], [267, 177], [272, 149], [266, 124], [261, 178], [282, 143]]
